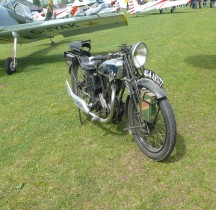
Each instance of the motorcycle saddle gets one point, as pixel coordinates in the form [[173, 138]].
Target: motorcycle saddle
[[87, 64]]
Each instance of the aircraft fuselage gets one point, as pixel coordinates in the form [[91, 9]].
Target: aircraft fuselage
[[8, 17]]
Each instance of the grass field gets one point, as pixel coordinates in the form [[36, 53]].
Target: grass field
[[49, 161]]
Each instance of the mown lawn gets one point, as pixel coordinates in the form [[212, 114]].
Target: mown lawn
[[49, 161]]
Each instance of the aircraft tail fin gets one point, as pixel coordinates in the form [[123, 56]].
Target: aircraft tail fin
[[74, 10], [133, 7]]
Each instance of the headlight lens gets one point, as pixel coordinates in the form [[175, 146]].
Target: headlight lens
[[138, 54]]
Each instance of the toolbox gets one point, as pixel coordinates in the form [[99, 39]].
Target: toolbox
[[148, 106]]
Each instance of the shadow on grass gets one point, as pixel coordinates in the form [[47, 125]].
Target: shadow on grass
[[166, 12], [109, 128], [115, 129], [179, 150], [63, 41], [36, 58], [39, 57], [2, 70], [118, 129], [202, 61]]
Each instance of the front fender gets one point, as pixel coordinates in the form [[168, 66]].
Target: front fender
[[152, 86]]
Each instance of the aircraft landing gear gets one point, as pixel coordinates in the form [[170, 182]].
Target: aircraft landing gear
[[11, 63], [52, 43], [9, 67]]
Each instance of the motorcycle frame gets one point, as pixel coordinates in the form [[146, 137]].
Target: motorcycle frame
[[132, 80]]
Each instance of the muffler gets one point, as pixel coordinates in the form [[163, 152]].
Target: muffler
[[81, 104]]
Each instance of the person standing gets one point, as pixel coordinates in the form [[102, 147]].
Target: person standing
[[50, 8], [205, 3], [199, 3], [194, 4]]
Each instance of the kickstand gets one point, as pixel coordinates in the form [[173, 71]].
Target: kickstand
[[80, 117]]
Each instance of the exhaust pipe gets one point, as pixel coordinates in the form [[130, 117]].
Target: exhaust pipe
[[81, 104]]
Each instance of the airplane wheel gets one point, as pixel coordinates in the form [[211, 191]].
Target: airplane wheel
[[9, 66], [52, 43]]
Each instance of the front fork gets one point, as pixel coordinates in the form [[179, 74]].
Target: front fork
[[133, 93]]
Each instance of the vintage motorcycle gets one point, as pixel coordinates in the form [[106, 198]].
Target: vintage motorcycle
[[98, 85]]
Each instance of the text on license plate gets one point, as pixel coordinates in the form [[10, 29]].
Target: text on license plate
[[153, 76]]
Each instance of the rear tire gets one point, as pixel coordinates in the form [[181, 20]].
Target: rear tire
[[77, 78], [156, 140]]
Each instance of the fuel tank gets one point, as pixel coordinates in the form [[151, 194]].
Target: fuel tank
[[113, 68]]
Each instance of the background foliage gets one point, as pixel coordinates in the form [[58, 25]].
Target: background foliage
[[49, 161], [36, 2]]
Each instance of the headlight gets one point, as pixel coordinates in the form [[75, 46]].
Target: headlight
[[138, 54]]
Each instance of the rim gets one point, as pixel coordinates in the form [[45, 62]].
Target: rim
[[152, 136]]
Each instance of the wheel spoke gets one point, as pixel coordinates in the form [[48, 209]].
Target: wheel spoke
[[157, 138], [151, 134]]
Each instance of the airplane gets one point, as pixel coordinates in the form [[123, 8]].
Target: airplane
[[58, 13], [135, 7], [78, 9], [18, 28], [100, 7]]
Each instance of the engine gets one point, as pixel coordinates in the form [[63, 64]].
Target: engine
[[95, 83], [112, 68]]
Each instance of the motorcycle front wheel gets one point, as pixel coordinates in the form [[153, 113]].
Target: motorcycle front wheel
[[157, 139]]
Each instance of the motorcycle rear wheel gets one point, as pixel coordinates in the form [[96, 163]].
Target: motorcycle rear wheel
[[77, 78], [156, 140]]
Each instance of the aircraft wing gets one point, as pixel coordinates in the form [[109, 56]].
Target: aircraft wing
[[173, 3], [108, 10], [67, 27]]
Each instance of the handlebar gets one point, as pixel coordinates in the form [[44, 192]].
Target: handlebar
[[100, 57]]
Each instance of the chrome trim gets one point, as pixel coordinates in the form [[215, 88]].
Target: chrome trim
[[81, 104]]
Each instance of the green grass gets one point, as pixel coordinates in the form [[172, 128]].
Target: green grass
[[49, 161]]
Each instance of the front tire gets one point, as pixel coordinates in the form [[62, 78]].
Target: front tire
[[9, 69], [156, 140]]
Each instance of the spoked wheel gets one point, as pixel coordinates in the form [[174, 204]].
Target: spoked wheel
[[9, 66], [78, 83], [156, 140], [83, 84]]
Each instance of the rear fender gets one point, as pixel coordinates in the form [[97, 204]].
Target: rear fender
[[152, 86], [73, 65]]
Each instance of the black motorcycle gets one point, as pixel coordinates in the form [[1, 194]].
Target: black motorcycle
[[98, 85]]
